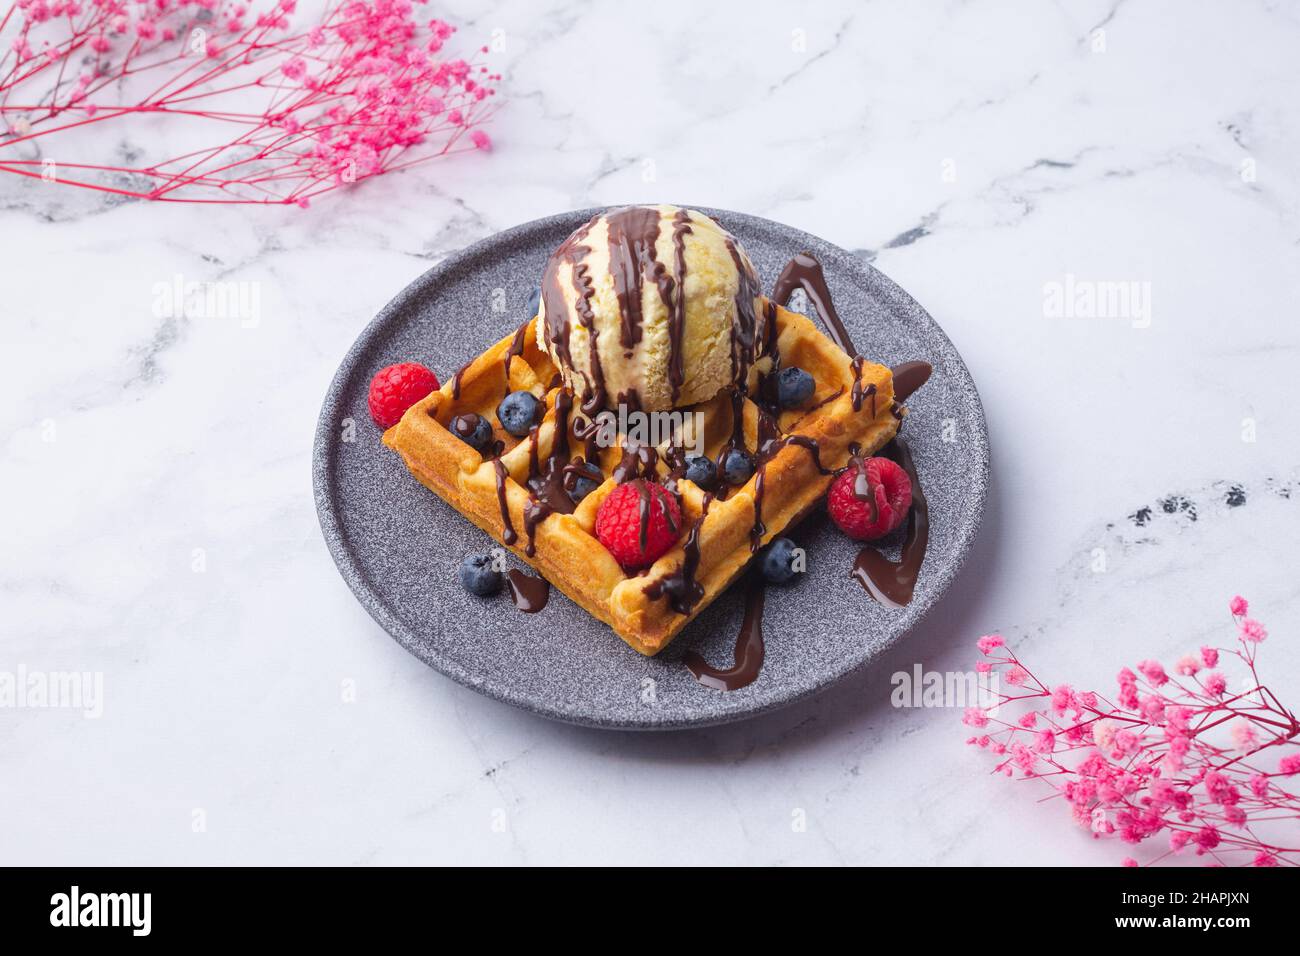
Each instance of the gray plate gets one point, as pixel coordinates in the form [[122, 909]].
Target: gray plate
[[399, 546]]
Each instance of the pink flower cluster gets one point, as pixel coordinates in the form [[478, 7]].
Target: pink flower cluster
[[1173, 757], [367, 90]]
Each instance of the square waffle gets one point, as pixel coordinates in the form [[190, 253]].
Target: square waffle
[[852, 411]]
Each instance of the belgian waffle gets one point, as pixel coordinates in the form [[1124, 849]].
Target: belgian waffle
[[510, 491]]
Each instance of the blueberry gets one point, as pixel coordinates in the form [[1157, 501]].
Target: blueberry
[[535, 303], [778, 561], [584, 483], [518, 413], [737, 466], [794, 386], [473, 430], [479, 576], [702, 471]]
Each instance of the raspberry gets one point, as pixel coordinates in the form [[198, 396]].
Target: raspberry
[[638, 523], [870, 498], [395, 389]]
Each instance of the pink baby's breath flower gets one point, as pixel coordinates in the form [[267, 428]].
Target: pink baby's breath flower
[[1153, 672], [975, 717], [1177, 718], [1252, 630], [1129, 862], [383, 94], [1244, 736], [1238, 606], [1024, 758], [1153, 708], [1103, 733], [1163, 761], [1219, 787], [989, 643], [1128, 696], [1126, 741], [1207, 838]]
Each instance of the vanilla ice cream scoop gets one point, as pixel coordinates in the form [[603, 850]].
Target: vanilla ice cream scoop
[[653, 307]]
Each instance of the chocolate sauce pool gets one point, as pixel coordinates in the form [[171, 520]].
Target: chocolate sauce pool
[[530, 593], [749, 646]]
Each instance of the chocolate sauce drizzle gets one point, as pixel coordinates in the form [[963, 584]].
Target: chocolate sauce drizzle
[[908, 377], [507, 529], [573, 252], [859, 394], [638, 461], [677, 308], [550, 483], [633, 232], [529, 592], [770, 442], [463, 426], [649, 492], [744, 331], [455, 380], [749, 647], [683, 591], [515, 349], [805, 272]]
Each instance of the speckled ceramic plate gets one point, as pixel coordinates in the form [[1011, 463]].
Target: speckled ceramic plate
[[399, 546]]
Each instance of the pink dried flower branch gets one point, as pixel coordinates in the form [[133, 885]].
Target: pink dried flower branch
[[1173, 756], [287, 116]]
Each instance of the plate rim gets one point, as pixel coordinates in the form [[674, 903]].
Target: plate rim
[[328, 515]]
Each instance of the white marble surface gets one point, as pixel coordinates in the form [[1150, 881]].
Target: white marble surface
[[223, 689]]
